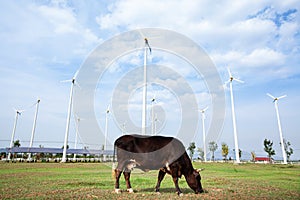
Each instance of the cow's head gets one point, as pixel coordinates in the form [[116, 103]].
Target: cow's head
[[194, 181]]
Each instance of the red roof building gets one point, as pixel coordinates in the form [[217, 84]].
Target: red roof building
[[263, 159]]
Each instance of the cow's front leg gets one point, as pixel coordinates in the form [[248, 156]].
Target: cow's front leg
[[117, 185], [127, 179], [175, 179], [161, 175]]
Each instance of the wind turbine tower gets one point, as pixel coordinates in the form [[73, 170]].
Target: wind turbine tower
[[231, 79], [18, 112], [275, 100], [106, 127], [34, 126], [77, 121], [144, 109], [152, 116], [203, 131], [64, 157]]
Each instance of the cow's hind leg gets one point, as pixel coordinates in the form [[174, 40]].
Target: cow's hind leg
[[127, 179], [118, 175], [161, 175]]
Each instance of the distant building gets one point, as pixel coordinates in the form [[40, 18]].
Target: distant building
[[263, 159]]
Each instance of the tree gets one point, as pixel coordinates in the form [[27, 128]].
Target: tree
[[64, 146], [225, 150], [212, 148], [17, 143], [253, 156], [201, 153], [268, 147], [288, 150], [191, 149], [240, 152]]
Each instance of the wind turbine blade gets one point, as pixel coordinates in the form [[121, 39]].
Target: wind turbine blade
[[143, 36], [153, 98], [281, 97], [65, 81], [203, 110], [225, 84], [271, 96], [108, 108], [75, 75], [18, 111], [76, 117], [229, 72], [238, 80]]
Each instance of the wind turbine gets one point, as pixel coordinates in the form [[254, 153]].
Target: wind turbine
[[64, 157], [18, 112], [231, 79], [106, 130], [34, 126], [275, 101], [144, 108], [203, 131]]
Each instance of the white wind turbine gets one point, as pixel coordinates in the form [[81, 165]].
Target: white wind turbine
[[34, 126], [275, 100], [107, 112], [144, 108], [203, 131], [64, 157], [18, 112], [231, 78]]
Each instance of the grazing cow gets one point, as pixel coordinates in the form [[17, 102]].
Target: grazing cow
[[165, 154]]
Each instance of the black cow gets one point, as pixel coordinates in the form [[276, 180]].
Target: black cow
[[152, 153]]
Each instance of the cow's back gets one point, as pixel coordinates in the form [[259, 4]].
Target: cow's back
[[150, 151]]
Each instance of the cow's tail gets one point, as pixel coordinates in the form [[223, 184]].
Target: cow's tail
[[114, 165]]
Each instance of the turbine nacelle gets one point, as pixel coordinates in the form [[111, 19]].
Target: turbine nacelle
[[18, 112], [73, 80], [231, 78], [276, 98], [203, 110]]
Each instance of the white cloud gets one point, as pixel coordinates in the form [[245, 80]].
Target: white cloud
[[263, 58], [62, 20]]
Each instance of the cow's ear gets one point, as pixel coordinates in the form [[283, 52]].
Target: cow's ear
[[196, 173]]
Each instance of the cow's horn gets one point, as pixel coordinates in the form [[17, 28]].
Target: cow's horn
[[199, 170]]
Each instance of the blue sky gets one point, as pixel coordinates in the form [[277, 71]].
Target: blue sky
[[44, 42]]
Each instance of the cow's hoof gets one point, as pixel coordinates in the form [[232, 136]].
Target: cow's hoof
[[180, 194], [130, 190], [158, 193], [118, 191]]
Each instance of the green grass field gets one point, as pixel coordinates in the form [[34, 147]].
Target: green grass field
[[94, 181]]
